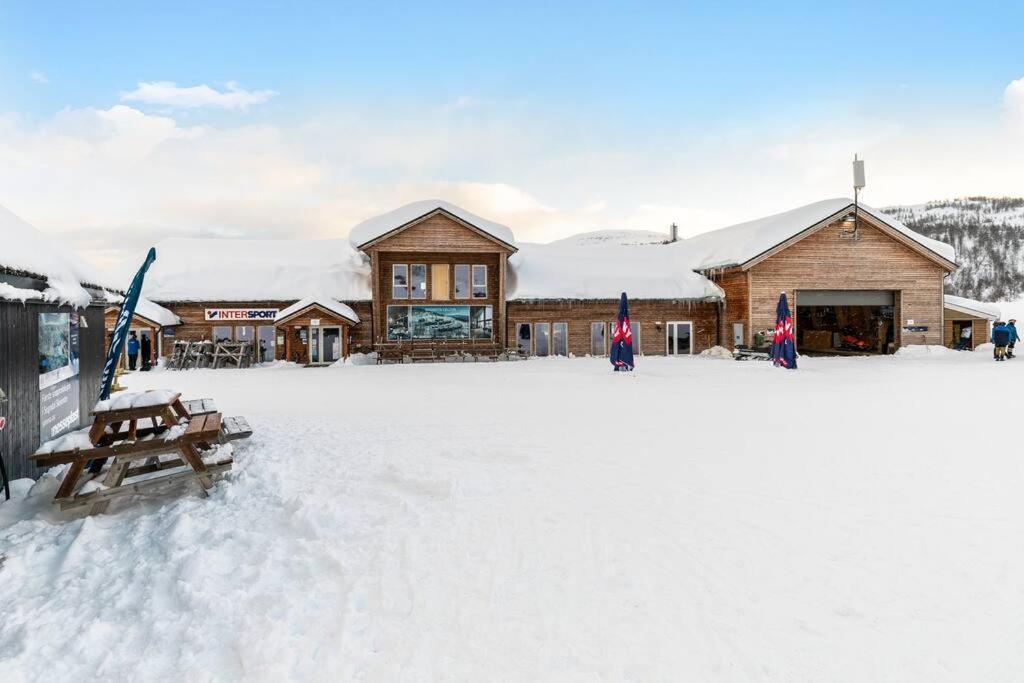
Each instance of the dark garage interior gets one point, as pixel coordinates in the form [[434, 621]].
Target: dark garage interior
[[842, 322]]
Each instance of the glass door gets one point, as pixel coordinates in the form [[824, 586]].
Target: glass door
[[678, 338], [330, 344]]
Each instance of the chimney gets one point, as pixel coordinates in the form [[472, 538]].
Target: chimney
[[673, 232]]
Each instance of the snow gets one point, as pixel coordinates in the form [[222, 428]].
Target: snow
[[739, 243], [26, 250], [528, 535], [566, 271], [123, 400], [613, 237], [149, 310], [325, 302], [978, 308], [1011, 310], [718, 352], [68, 442], [256, 270], [375, 227]]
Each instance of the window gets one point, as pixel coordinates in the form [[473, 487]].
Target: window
[[245, 333], [479, 282], [439, 288], [597, 339], [419, 281], [635, 325], [399, 281], [265, 349], [222, 333], [461, 282], [523, 337], [481, 322], [398, 323], [561, 339], [542, 339]]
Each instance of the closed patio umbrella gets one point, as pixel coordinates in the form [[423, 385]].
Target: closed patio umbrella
[[783, 344]]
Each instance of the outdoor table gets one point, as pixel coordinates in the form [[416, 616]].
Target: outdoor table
[[116, 433]]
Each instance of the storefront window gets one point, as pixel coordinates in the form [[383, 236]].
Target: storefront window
[[597, 339], [542, 339], [222, 333], [399, 281], [418, 280], [479, 282], [245, 333], [398, 323], [481, 322], [267, 345], [523, 336], [561, 339], [461, 282]]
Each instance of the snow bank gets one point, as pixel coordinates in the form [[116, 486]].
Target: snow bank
[[78, 439], [256, 270], [717, 352], [325, 302], [565, 271], [356, 359], [378, 226], [24, 250], [926, 351], [739, 243]]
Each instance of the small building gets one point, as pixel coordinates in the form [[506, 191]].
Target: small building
[[961, 313], [51, 342], [314, 331], [858, 281], [152, 324]]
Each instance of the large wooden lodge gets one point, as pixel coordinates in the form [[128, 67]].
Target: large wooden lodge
[[858, 282]]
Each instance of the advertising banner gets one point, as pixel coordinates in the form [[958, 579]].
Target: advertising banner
[[241, 314], [59, 409]]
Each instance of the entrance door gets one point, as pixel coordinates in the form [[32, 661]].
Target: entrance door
[[330, 344], [678, 338]]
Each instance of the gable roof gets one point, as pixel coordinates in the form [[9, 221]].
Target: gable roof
[[146, 309], [971, 307], [391, 223], [325, 303], [738, 245], [209, 269]]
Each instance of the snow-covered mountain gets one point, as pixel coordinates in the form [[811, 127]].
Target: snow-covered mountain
[[600, 238], [988, 234]]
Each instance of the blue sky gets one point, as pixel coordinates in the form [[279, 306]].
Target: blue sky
[[596, 113]]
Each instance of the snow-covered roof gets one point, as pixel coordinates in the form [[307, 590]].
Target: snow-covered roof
[[599, 238], [149, 310], [324, 302], [646, 271], [256, 270], [972, 307], [737, 244], [378, 226], [26, 251]]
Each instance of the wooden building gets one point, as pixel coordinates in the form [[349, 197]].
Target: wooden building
[[961, 313], [51, 342], [151, 322]]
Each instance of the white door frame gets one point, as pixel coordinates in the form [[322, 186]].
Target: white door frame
[[319, 332], [668, 326]]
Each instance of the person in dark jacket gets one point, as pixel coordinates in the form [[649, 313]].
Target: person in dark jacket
[[1000, 337], [133, 351], [1014, 337], [147, 352]]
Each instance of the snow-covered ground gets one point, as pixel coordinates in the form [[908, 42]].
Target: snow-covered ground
[[856, 520]]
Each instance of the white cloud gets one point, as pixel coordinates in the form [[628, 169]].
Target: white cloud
[[1013, 99], [170, 94], [38, 77]]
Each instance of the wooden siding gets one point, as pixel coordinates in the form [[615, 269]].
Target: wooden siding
[[649, 315], [19, 378], [980, 332], [437, 240], [297, 352], [824, 260], [736, 307]]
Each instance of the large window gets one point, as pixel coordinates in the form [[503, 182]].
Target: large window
[[634, 327], [222, 333], [479, 282], [267, 345], [542, 339], [598, 332], [440, 322], [560, 337], [524, 338], [418, 280], [245, 333], [400, 281], [462, 282]]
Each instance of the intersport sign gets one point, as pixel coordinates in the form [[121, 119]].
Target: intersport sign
[[237, 314]]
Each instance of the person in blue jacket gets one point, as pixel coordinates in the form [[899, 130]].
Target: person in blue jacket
[[133, 351], [1000, 337], [1014, 337]]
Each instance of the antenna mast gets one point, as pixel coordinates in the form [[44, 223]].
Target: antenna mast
[[858, 185]]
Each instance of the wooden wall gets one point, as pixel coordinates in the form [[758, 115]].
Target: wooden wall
[[644, 313], [19, 377], [736, 307], [294, 350], [824, 260], [980, 334]]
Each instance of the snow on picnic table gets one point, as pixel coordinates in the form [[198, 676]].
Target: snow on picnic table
[[856, 520]]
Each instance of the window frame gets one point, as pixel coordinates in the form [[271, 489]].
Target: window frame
[[554, 351], [604, 335], [472, 281], [394, 273], [412, 286], [469, 281]]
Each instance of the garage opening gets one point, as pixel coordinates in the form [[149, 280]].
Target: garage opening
[[845, 322]]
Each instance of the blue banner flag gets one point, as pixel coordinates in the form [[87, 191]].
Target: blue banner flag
[[783, 343], [124, 322], [622, 340]]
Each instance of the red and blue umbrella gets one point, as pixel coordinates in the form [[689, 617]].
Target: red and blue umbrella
[[621, 354], [783, 344]]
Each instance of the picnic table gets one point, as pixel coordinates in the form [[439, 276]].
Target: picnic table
[[185, 429]]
